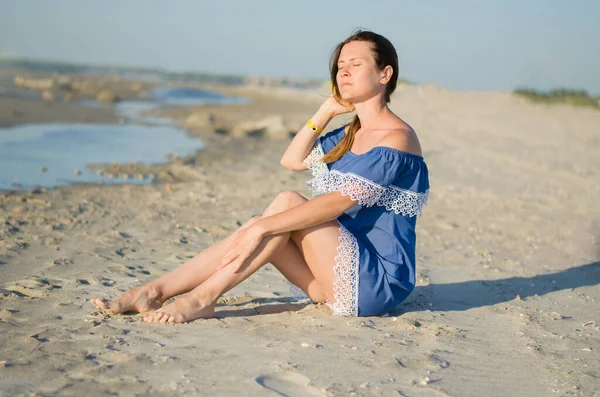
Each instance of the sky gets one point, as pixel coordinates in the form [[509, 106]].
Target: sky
[[458, 44]]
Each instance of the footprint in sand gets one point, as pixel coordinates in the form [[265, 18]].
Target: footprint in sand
[[289, 384], [34, 287], [132, 270]]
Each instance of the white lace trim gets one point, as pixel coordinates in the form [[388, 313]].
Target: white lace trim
[[358, 188], [402, 201], [345, 284], [297, 293], [367, 193], [313, 160]]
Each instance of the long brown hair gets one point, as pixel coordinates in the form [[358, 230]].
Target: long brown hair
[[384, 54]]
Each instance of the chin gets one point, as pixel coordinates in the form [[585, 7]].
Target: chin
[[353, 97]]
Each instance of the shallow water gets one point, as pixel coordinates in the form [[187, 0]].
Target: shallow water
[[166, 97], [181, 96], [64, 148]]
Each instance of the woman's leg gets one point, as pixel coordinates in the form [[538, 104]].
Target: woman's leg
[[151, 296], [186, 277], [320, 242]]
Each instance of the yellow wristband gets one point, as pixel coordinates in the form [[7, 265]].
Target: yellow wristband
[[313, 127]]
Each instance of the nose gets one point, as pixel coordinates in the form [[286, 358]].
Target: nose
[[344, 72]]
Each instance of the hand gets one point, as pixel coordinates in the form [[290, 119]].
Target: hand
[[335, 107], [242, 246]]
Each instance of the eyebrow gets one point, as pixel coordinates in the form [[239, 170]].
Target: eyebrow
[[351, 59]]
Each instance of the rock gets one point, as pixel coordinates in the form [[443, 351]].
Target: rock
[[39, 84], [276, 129], [199, 120], [271, 127], [105, 95], [62, 83], [85, 87], [47, 96]]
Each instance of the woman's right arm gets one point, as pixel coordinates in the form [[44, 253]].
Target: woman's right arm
[[303, 142]]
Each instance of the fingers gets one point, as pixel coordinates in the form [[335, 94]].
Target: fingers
[[226, 261]]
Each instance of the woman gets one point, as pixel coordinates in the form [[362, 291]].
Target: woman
[[352, 246]]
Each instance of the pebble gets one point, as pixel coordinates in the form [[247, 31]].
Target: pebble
[[556, 316], [314, 346]]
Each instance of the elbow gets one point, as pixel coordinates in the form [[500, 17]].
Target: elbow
[[285, 164], [290, 165]]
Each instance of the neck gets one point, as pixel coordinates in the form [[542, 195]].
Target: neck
[[371, 111]]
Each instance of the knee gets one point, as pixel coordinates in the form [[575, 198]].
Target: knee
[[289, 198], [250, 222]]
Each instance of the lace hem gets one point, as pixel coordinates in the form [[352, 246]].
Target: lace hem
[[345, 285], [362, 190]]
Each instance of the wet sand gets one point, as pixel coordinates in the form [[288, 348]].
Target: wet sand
[[508, 271]]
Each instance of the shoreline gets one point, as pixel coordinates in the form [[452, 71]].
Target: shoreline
[[19, 111]]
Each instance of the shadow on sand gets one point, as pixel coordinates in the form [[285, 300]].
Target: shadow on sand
[[477, 293]]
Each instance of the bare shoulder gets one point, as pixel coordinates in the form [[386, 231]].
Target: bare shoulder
[[404, 139]]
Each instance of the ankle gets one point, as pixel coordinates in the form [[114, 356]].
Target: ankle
[[155, 292], [205, 298]]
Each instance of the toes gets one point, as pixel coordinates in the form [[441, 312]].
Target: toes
[[115, 306], [100, 303], [151, 317], [164, 318], [156, 316], [171, 319]]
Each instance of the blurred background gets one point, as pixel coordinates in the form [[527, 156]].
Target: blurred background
[[65, 51], [463, 45]]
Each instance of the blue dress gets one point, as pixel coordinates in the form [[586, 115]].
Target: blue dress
[[375, 266]]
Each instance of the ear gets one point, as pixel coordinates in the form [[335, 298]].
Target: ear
[[386, 74]]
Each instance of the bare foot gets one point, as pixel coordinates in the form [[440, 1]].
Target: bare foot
[[183, 309], [140, 299]]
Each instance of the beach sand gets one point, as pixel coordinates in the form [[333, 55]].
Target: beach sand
[[507, 297]]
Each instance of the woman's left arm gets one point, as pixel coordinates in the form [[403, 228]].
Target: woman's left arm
[[314, 212]]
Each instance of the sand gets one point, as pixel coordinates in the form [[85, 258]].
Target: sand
[[508, 271]]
